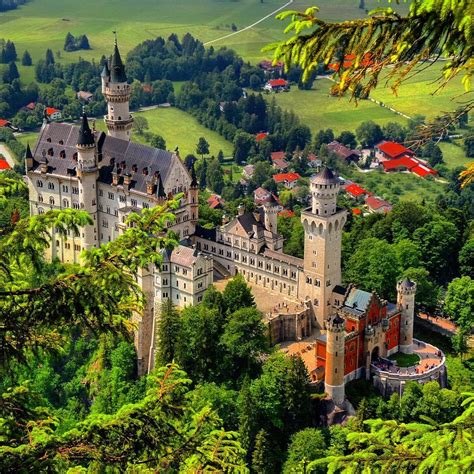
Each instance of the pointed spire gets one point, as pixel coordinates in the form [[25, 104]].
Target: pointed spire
[[161, 190], [28, 153], [117, 69], [194, 181], [325, 176], [105, 70], [86, 137]]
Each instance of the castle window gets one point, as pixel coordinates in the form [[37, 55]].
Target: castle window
[[75, 190], [115, 212], [335, 370], [50, 185], [407, 307], [121, 198], [40, 210], [336, 353], [40, 198], [65, 203], [50, 152], [164, 268], [108, 210], [61, 142], [51, 200], [39, 183], [93, 202], [62, 154], [111, 196], [75, 205], [65, 189], [101, 193], [48, 139], [134, 202], [146, 205]]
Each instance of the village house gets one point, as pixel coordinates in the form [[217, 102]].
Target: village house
[[388, 150], [261, 196], [279, 160], [270, 69], [343, 153], [261, 136], [5, 123], [247, 171], [289, 180], [277, 85], [52, 113], [355, 191], [377, 205], [409, 164], [215, 202], [85, 96]]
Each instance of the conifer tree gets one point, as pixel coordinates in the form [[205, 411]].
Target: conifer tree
[[202, 147], [69, 42], [26, 59], [49, 57], [168, 329], [10, 52], [264, 458]]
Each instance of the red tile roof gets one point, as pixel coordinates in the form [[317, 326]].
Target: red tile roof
[[278, 155], [4, 123], [280, 164], [356, 212], [286, 177], [278, 82], [261, 136], [403, 162], [423, 170], [286, 213], [4, 165], [30, 106], [51, 110], [355, 190], [215, 201], [394, 149], [377, 203]]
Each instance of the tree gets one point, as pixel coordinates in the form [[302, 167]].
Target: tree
[[295, 244], [83, 42], [348, 139], [168, 332], [374, 266], [163, 432], [69, 42], [459, 301], [11, 73], [469, 146], [26, 59], [395, 132], [202, 147], [49, 57], [201, 172], [220, 156], [298, 137], [237, 294], [243, 142], [157, 141], [425, 446], [244, 340], [140, 124], [306, 445], [408, 254], [369, 133], [433, 153], [215, 175], [9, 53], [265, 458], [426, 289], [323, 137], [466, 259], [255, 82], [98, 295]]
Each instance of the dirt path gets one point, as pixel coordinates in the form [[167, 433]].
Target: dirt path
[[250, 26]]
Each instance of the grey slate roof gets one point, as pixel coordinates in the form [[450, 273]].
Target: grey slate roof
[[325, 176], [111, 151], [358, 299]]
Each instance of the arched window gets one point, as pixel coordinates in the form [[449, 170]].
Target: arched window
[[62, 154], [40, 210], [65, 203], [50, 152], [51, 200], [50, 185], [40, 198]]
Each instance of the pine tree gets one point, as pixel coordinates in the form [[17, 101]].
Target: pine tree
[[49, 57], [264, 459], [11, 73], [83, 42], [26, 59], [168, 328], [70, 43], [202, 147], [10, 52]]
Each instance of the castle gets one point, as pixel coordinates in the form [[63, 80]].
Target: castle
[[109, 176]]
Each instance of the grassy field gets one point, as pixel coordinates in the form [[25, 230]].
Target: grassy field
[[43, 24], [453, 154], [177, 128], [317, 109]]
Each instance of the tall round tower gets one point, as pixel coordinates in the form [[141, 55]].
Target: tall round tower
[[117, 93], [324, 191], [334, 373], [87, 174], [271, 210], [406, 290]]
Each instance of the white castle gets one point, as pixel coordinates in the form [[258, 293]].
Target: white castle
[[109, 176]]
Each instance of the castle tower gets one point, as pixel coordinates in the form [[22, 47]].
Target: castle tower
[[334, 372], [194, 197], [117, 92], [271, 210], [406, 291], [87, 173], [323, 224]]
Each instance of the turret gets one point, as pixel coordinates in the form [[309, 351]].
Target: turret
[[334, 372], [194, 195], [105, 76], [87, 174], [117, 93], [406, 290], [271, 210], [28, 158], [324, 190]]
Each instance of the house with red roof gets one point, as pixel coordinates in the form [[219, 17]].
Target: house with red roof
[[31, 106], [375, 204], [349, 61], [279, 160], [261, 136], [404, 163], [276, 85], [271, 69], [423, 170], [4, 123], [355, 191], [392, 150], [53, 114], [289, 180], [356, 211], [261, 196], [215, 201]]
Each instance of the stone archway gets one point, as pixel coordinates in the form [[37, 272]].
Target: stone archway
[[375, 353]]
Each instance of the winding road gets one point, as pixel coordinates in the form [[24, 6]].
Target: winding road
[[250, 26]]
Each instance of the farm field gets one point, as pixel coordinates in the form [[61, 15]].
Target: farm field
[[453, 154], [43, 24], [318, 109]]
